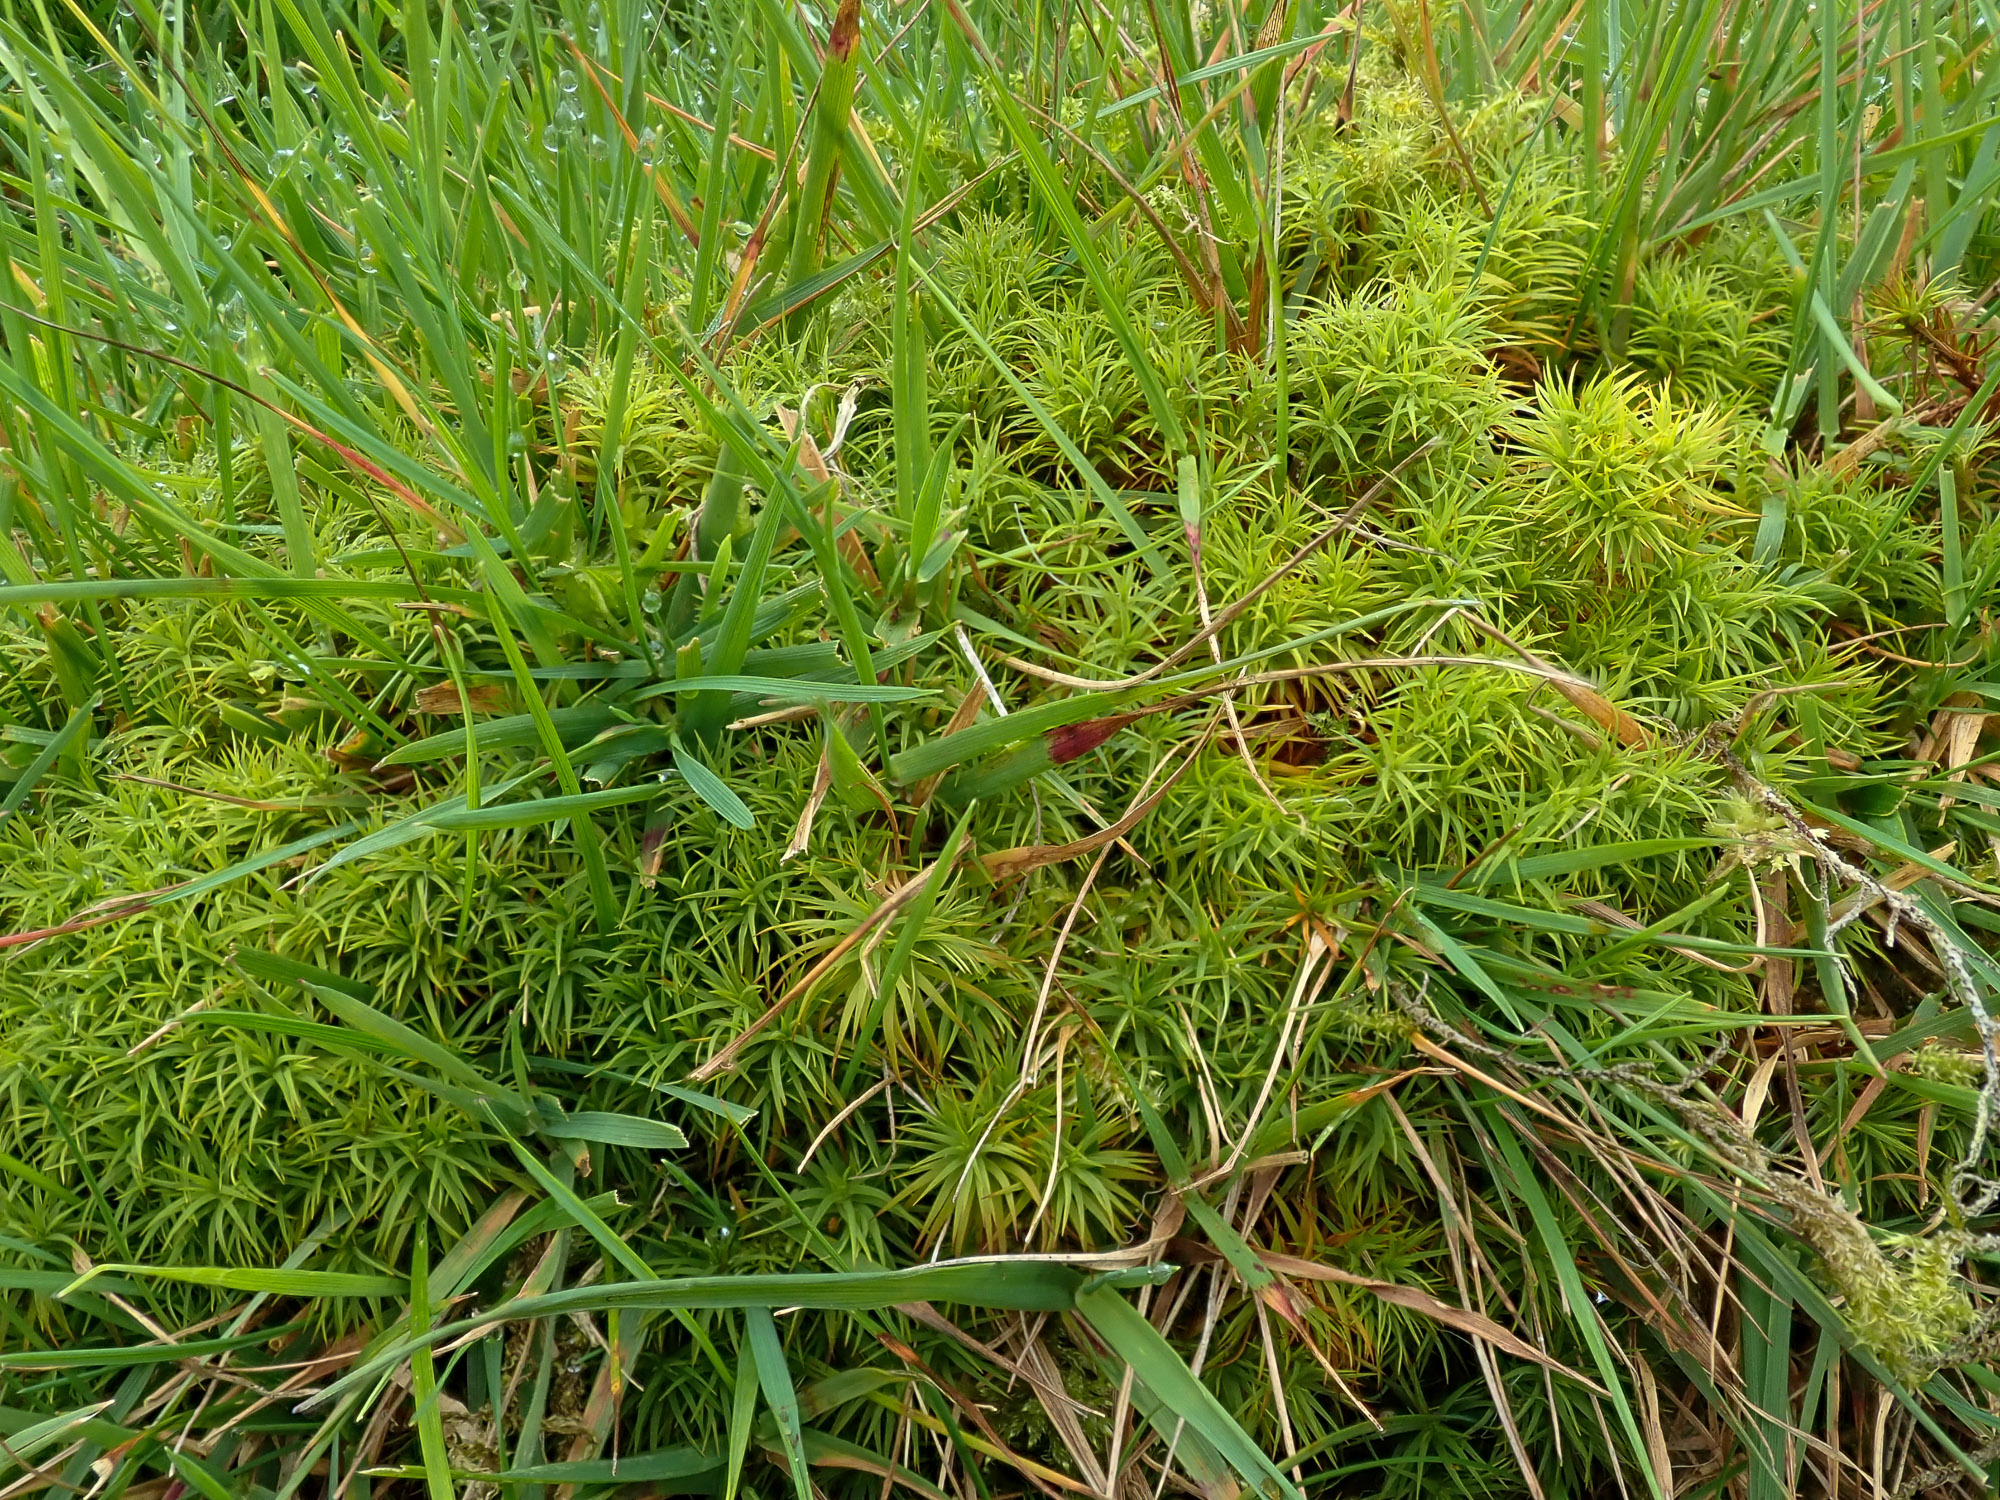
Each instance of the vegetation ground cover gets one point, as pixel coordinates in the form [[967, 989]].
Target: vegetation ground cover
[[939, 748]]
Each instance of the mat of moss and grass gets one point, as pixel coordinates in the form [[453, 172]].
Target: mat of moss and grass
[[971, 750]]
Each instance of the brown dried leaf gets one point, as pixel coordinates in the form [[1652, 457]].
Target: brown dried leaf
[[1464, 1319], [802, 834], [1011, 862], [1074, 741], [1607, 715], [444, 698]]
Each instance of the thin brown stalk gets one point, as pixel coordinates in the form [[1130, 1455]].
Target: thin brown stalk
[[725, 1058]]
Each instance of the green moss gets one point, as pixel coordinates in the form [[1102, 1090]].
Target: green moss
[[1446, 822]]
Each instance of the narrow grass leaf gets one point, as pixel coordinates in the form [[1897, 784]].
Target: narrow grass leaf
[[767, 1350]]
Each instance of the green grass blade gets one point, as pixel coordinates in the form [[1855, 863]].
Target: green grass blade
[[428, 1416], [711, 788], [59, 744], [304, 1284], [1154, 1361], [767, 1351]]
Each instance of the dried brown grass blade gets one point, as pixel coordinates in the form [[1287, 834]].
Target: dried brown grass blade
[[899, 898], [1048, 1481], [1047, 1379], [1463, 1319], [802, 833], [1431, 1049], [1504, 1408], [1586, 699], [1011, 862], [445, 698]]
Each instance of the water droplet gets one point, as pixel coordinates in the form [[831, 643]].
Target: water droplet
[[518, 279]]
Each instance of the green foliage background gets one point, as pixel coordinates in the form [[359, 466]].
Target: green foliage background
[[363, 363]]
